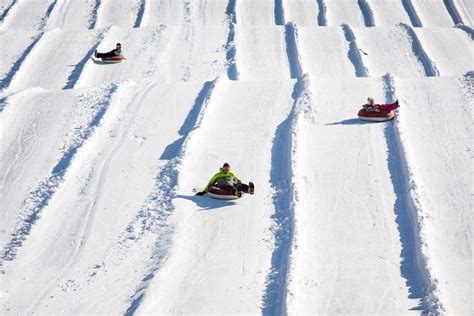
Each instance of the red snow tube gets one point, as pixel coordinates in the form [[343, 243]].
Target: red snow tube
[[376, 116], [111, 60], [219, 193]]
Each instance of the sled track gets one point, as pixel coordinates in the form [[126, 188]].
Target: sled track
[[232, 72], [153, 216], [322, 13], [429, 67], [354, 53], [38, 198], [409, 219], [414, 18], [367, 13]]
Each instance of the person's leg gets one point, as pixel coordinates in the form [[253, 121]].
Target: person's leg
[[102, 55], [389, 106]]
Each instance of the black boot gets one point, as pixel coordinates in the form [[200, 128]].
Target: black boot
[[95, 53], [251, 188]]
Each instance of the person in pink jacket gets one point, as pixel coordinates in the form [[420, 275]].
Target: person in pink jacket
[[371, 106]]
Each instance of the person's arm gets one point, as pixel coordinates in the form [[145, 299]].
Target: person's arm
[[212, 181]]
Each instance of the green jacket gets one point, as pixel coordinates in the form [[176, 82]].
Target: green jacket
[[222, 178]]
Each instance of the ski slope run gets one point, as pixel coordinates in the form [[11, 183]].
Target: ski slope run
[[99, 163]]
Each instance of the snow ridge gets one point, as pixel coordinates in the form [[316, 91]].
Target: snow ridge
[[76, 72], [152, 218], [354, 52], [322, 16], [140, 13], [93, 17], [5, 82], [453, 11], [232, 72], [429, 67], [366, 13], [7, 10], [291, 37], [39, 197], [284, 198], [415, 20], [415, 265], [279, 13], [469, 30]]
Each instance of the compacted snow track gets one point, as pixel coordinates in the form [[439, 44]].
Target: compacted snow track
[[99, 162]]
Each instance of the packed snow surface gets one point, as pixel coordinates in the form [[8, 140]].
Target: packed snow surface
[[99, 163]]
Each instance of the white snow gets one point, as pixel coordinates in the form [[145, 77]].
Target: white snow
[[99, 163]]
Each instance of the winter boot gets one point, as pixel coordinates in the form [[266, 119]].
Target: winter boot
[[251, 188], [396, 102], [95, 53]]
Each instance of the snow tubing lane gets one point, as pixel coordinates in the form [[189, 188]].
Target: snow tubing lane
[[218, 193], [113, 60], [381, 116]]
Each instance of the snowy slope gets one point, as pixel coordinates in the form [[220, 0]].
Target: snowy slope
[[100, 162]]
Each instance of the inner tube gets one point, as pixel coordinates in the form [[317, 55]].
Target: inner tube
[[113, 60], [373, 116], [218, 193]]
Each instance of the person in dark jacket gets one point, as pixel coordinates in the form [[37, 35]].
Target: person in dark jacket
[[371, 106], [113, 53]]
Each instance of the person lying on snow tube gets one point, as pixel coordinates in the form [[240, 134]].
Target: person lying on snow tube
[[371, 106], [113, 53], [227, 181]]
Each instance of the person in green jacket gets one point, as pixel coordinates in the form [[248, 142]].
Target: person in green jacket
[[227, 180]]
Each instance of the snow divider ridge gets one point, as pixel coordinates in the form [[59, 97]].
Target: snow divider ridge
[[429, 67], [285, 197], [232, 72], [410, 214], [279, 13], [354, 52], [5, 82], [469, 30], [76, 72], [367, 13], [140, 13], [93, 18], [39, 198], [291, 38], [152, 218], [7, 11], [415, 20], [322, 16], [453, 11]]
